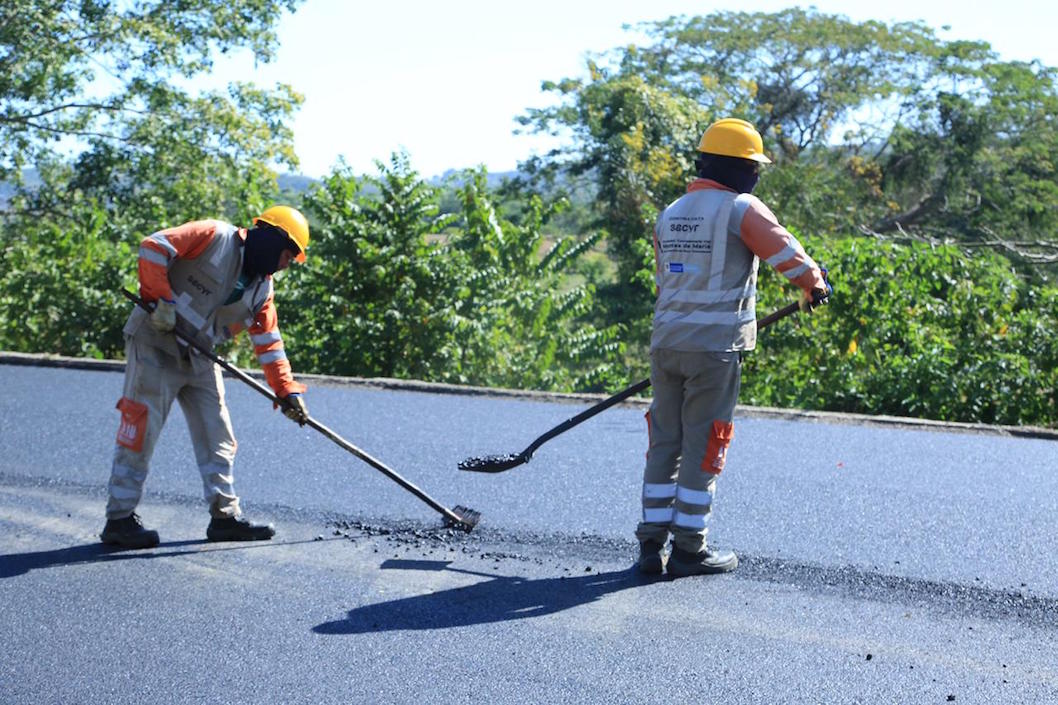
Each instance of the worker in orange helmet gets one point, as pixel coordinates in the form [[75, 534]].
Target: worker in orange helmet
[[209, 280], [706, 246]]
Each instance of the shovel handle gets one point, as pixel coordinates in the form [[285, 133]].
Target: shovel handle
[[463, 518], [203, 350]]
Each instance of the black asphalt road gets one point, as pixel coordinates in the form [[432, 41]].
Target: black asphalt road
[[879, 565]]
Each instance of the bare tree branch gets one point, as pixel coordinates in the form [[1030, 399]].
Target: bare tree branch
[[27, 118], [1042, 252]]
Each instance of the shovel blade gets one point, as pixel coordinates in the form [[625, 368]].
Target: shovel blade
[[493, 463]]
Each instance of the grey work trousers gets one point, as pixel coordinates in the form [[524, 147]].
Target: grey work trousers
[[153, 379], [690, 429]]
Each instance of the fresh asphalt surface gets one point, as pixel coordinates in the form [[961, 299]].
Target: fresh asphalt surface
[[879, 565]]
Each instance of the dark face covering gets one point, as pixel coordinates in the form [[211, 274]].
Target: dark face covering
[[738, 174], [262, 249]]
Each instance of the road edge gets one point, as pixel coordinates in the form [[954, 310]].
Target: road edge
[[834, 417]]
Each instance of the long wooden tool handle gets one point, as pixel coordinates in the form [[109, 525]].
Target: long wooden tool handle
[[373, 462], [635, 389], [211, 355]]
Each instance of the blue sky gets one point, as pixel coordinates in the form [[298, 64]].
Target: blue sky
[[445, 80]]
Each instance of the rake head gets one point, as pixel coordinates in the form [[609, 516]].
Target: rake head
[[468, 519]]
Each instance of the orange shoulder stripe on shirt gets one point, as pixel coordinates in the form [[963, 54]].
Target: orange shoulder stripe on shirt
[[191, 239], [773, 243], [268, 347], [185, 241]]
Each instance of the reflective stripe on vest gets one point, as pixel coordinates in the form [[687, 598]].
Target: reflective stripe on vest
[[202, 284]]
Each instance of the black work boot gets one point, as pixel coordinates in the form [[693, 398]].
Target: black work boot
[[128, 533], [651, 557], [238, 529], [683, 563]]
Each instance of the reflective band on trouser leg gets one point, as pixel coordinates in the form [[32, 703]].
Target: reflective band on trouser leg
[[213, 440], [703, 498], [150, 383], [691, 520], [658, 515], [696, 522], [659, 491], [657, 502], [218, 487], [125, 488]]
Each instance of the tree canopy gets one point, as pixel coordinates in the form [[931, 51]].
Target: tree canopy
[[875, 128], [921, 171], [94, 96]]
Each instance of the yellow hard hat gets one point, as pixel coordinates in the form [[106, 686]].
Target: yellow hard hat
[[292, 222], [732, 137]]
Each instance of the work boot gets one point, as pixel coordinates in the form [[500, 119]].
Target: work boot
[[683, 563], [651, 557], [128, 532], [238, 529]]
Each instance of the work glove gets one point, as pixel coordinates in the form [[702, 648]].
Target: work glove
[[816, 297], [163, 317], [295, 408]]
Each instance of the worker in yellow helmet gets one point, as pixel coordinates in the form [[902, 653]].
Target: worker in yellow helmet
[[210, 280], [706, 247]]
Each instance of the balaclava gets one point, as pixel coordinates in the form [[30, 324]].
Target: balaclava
[[264, 244], [733, 172]]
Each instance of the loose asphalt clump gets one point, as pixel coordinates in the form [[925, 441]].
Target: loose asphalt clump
[[479, 464], [491, 545], [572, 552]]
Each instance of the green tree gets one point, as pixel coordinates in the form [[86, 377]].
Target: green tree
[[635, 121], [914, 330], [58, 285], [87, 68], [978, 164], [374, 299], [92, 98], [518, 322], [398, 289]]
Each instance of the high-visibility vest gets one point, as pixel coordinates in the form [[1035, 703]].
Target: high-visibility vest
[[200, 287], [706, 275]]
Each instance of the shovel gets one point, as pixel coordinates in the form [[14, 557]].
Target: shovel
[[500, 463]]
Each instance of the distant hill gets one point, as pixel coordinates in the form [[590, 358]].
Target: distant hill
[[298, 184], [288, 183], [493, 179], [295, 183], [29, 178]]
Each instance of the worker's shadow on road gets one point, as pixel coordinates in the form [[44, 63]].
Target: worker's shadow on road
[[14, 564], [497, 599]]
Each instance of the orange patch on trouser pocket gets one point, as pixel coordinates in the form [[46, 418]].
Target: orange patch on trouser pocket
[[133, 425], [716, 451]]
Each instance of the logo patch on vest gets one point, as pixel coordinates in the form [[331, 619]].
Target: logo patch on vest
[[202, 288], [674, 244]]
